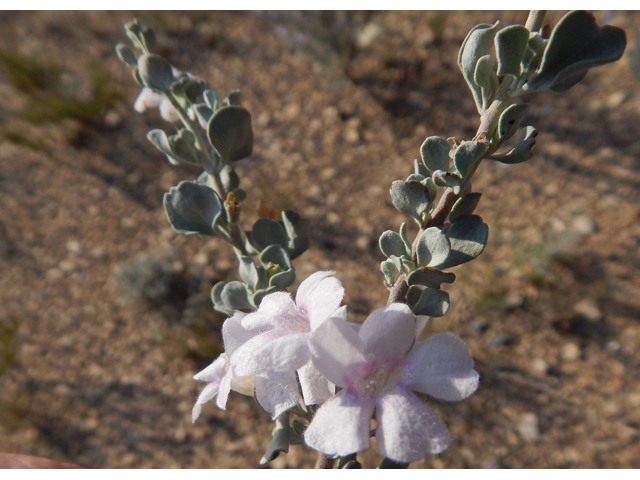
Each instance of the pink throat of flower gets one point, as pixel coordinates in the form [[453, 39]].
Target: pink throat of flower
[[374, 378], [294, 321]]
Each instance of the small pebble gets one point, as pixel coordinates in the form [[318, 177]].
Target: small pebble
[[528, 427], [74, 246], [583, 225], [588, 309], [539, 366], [570, 352]]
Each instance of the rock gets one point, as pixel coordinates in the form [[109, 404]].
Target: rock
[[73, 246], [539, 366], [570, 352], [588, 309], [368, 35], [528, 427], [584, 225]]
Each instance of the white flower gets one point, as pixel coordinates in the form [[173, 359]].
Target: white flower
[[219, 377], [282, 346], [148, 99], [378, 369]]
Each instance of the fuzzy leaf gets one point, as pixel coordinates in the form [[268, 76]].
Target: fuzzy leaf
[[576, 44], [192, 207], [126, 54], [279, 439], [203, 114], [468, 238], [283, 279], [260, 294], [511, 43], [229, 177], [155, 72], [485, 77], [159, 140], [248, 271], [434, 303], [430, 277], [411, 198], [447, 179], [232, 99], [478, 43], [464, 206], [235, 296], [210, 99], [183, 146], [230, 132], [297, 231], [467, 155], [391, 244], [405, 238], [509, 121], [267, 232], [419, 168], [389, 270], [435, 153], [521, 152], [433, 247], [275, 254]]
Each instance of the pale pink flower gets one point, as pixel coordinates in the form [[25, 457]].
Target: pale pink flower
[[282, 346], [378, 369], [219, 377], [148, 99]]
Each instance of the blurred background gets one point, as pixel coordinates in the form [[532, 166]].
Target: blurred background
[[105, 312]]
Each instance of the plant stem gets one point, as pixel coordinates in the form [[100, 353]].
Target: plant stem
[[398, 292], [535, 19], [202, 145], [323, 462]]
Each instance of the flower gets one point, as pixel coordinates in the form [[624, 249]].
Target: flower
[[378, 369], [282, 346], [149, 99], [219, 377]]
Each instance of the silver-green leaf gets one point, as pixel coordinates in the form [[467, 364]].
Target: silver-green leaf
[[191, 208], [231, 133], [468, 238], [432, 248], [435, 153]]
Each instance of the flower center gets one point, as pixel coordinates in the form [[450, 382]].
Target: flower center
[[294, 321], [375, 378]]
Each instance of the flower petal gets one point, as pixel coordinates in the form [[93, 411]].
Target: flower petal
[[147, 98], [341, 426], [223, 392], [215, 371], [243, 362], [316, 389], [319, 296], [271, 307], [408, 429], [208, 392], [286, 353], [441, 366], [389, 331], [277, 392], [168, 112], [334, 348], [243, 385], [234, 334]]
